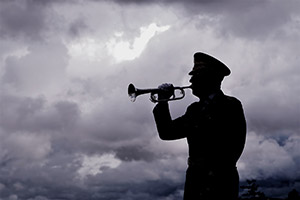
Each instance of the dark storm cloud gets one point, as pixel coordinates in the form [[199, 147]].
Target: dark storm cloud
[[53, 180], [126, 182], [134, 153]]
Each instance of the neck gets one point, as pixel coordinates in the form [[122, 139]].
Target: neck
[[208, 94]]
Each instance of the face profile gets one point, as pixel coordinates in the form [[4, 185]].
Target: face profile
[[205, 81]]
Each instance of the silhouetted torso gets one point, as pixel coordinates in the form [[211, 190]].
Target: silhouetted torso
[[215, 130]]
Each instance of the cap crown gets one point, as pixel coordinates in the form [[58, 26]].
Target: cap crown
[[202, 60]]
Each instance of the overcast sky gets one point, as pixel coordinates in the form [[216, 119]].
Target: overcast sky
[[68, 129]]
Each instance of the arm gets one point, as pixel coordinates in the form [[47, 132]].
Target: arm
[[167, 128], [239, 130], [235, 126]]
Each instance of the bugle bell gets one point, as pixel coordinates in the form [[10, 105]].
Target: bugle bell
[[134, 92]]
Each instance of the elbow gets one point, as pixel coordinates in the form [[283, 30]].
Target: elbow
[[166, 136], [167, 132], [163, 137]]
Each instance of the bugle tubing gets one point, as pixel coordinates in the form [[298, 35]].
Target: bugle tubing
[[134, 92]]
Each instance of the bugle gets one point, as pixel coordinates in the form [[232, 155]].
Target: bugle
[[134, 92]]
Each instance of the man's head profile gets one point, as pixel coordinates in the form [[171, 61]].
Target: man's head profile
[[207, 74]]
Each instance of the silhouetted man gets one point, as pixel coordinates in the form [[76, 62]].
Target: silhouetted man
[[215, 129]]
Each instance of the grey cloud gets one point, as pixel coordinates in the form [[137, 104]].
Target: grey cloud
[[52, 178], [273, 165], [171, 1], [258, 162], [260, 21], [251, 19], [21, 19], [149, 182], [91, 114], [36, 71], [35, 20], [55, 180], [34, 115], [256, 20], [77, 27], [14, 112], [134, 153], [30, 128]]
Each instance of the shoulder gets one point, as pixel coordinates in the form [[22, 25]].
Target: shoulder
[[231, 102], [231, 99]]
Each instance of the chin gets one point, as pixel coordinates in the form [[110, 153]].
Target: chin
[[196, 93]]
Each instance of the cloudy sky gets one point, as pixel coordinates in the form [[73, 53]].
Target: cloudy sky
[[68, 129]]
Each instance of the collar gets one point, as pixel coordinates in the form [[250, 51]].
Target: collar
[[213, 96]]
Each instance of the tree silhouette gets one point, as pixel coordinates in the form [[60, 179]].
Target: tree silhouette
[[293, 195], [252, 191]]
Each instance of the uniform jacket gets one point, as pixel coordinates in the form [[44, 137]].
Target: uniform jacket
[[215, 129]]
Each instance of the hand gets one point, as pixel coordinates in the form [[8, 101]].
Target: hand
[[166, 91]]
